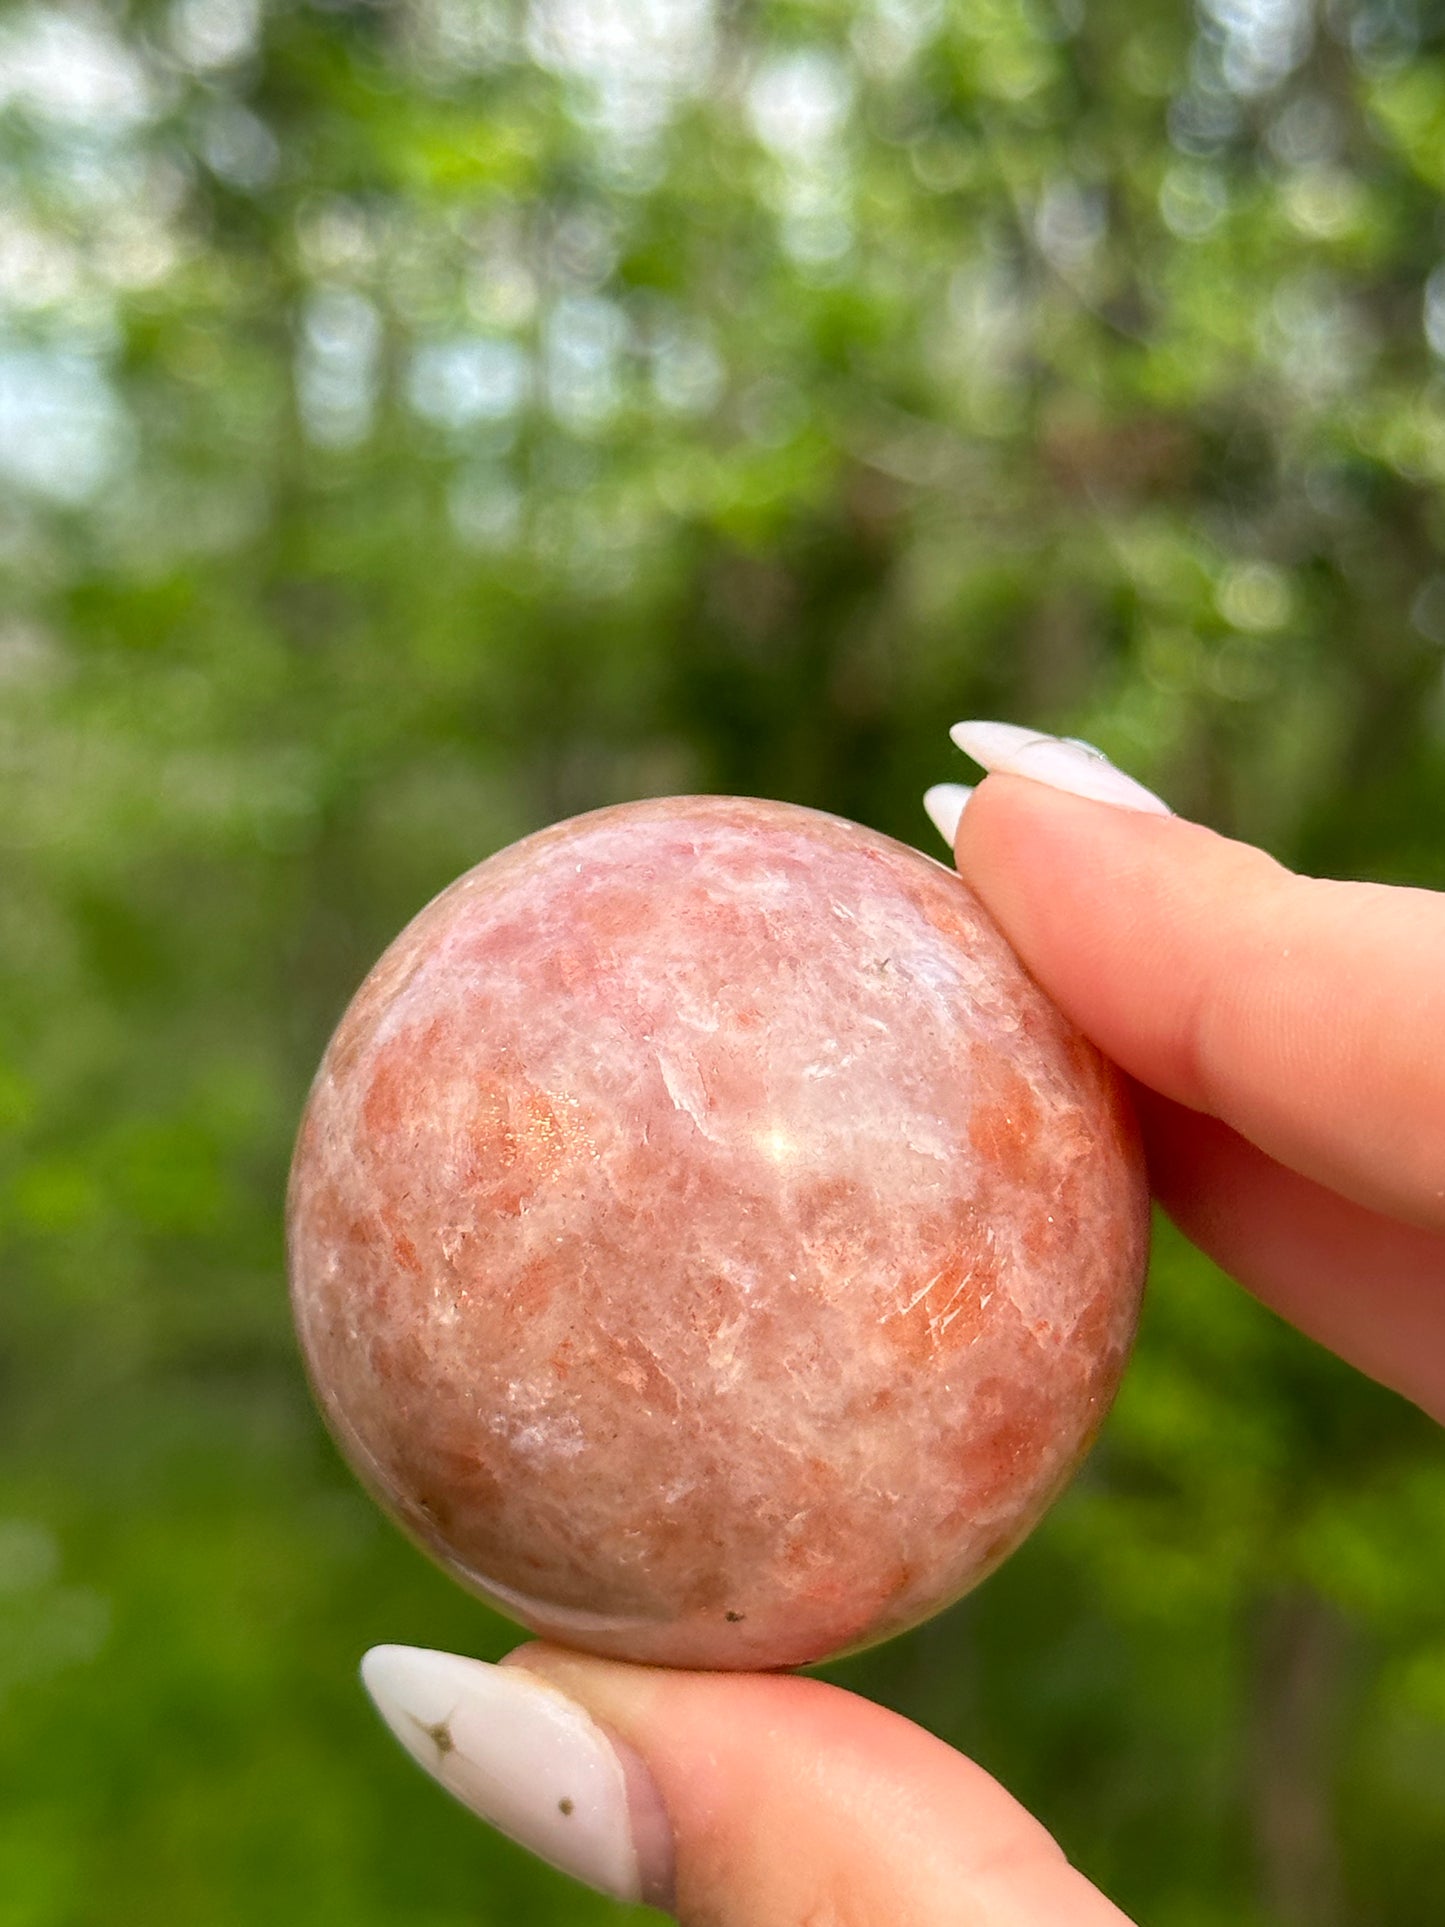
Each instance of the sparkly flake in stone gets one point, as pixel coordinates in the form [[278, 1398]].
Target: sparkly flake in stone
[[707, 1241]]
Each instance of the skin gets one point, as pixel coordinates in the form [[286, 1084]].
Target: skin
[[1279, 1031]]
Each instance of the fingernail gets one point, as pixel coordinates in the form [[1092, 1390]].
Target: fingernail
[[1063, 762], [532, 1763], [944, 804]]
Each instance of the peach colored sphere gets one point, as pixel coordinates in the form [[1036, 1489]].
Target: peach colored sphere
[[707, 1241]]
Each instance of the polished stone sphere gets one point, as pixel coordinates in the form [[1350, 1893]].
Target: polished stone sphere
[[706, 1239]]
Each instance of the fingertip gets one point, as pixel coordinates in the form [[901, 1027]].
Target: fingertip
[[791, 1799], [1125, 916], [1289, 1007]]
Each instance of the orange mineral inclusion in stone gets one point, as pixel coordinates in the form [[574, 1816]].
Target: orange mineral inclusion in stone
[[707, 1241]]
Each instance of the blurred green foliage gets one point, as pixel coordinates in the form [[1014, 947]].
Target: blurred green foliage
[[421, 421]]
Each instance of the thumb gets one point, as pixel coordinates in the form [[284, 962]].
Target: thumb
[[729, 1800]]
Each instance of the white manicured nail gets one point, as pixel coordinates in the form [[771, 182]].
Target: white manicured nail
[[945, 804], [1063, 762], [531, 1762]]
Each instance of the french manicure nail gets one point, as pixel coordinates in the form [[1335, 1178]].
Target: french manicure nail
[[531, 1762], [945, 805], [1064, 763]]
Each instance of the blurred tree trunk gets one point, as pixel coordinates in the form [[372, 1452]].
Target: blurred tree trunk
[[1300, 1672]]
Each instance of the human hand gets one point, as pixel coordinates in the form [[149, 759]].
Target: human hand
[[1284, 1036]]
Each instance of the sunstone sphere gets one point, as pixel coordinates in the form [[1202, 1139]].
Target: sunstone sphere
[[707, 1241]]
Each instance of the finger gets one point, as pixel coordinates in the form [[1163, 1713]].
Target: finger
[[1368, 1287], [1309, 1016], [732, 1800]]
